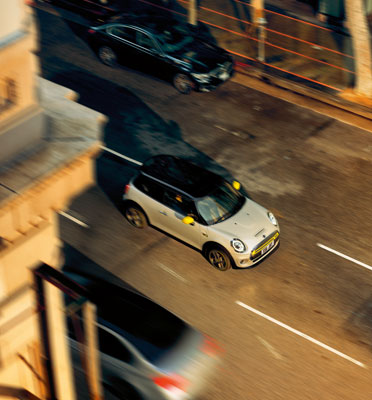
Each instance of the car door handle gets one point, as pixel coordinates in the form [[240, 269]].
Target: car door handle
[[163, 212]]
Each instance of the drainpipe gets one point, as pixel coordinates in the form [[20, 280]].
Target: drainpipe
[[192, 14], [260, 22]]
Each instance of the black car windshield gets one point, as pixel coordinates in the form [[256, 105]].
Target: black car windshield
[[175, 38], [221, 204]]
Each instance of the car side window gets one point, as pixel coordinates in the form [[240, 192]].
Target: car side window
[[112, 346], [178, 203], [123, 32], [149, 187], [145, 41]]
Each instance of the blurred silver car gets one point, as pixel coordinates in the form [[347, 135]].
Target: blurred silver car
[[202, 209], [145, 351]]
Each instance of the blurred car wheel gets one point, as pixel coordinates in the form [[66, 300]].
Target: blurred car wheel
[[219, 258], [107, 56], [183, 83], [136, 216]]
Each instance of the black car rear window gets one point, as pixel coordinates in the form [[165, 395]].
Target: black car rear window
[[149, 327], [149, 186]]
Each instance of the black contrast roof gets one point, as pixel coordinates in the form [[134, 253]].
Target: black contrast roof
[[182, 174], [156, 23]]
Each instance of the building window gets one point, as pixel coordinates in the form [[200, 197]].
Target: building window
[[8, 94]]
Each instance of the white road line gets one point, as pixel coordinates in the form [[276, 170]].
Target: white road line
[[170, 271], [121, 155], [70, 217], [303, 335], [344, 256], [270, 348], [226, 130]]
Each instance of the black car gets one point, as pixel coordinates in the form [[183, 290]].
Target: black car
[[165, 47], [95, 10]]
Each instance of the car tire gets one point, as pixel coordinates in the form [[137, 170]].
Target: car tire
[[183, 83], [108, 56], [219, 258], [136, 216]]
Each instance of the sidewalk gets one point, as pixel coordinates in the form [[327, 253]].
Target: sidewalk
[[319, 65]]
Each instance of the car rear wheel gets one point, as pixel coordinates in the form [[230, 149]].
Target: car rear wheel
[[183, 83], [107, 56], [219, 258], [135, 216]]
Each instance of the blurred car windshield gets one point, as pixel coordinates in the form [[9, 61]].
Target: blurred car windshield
[[221, 204], [175, 38]]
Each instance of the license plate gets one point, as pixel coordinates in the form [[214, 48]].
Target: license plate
[[268, 247]]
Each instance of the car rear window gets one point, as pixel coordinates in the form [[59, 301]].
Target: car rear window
[[150, 187], [150, 328]]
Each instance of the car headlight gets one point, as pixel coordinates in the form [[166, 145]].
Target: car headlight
[[238, 245], [202, 78], [272, 218]]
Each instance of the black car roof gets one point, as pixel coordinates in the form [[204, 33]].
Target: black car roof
[[182, 175], [153, 22]]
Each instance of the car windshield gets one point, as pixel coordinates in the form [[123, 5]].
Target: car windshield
[[221, 204], [175, 38]]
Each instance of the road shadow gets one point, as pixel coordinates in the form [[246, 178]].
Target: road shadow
[[133, 129], [77, 263], [358, 326]]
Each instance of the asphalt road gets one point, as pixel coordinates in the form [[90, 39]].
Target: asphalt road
[[305, 332]]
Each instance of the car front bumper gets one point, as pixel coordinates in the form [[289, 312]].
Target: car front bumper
[[214, 82], [261, 251]]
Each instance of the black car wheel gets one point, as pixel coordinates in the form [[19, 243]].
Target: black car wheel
[[135, 216], [183, 83], [219, 258], [107, 56]]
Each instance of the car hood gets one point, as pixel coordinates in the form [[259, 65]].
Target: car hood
[[250, 223], [203, 56]]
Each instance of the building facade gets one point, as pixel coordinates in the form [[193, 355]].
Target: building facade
[[42, 167]]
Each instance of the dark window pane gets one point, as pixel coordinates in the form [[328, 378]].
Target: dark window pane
[[149, 327], [145, 41], [111, 346], [123, 33], [178, 203], [150, 187]]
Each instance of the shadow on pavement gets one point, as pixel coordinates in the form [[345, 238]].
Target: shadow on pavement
[[76, 262], [133, 129], [358, 325]]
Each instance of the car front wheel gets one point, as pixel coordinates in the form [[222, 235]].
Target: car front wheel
[[136, 216], [219, 258], [107, 56], [183, 83]]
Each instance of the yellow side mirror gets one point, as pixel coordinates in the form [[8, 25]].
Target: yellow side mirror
[[236, 185], [188, 220]]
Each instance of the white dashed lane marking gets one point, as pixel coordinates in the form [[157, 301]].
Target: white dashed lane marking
[[170, 271], [121, 155], [303, 335], [73, 219], [344, 256]]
